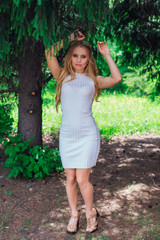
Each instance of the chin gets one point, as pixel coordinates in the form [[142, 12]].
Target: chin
[[79, 69]]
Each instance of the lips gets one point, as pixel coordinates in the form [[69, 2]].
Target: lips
[[78, 65]]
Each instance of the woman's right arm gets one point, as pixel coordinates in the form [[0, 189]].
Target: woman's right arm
[[52, 62]]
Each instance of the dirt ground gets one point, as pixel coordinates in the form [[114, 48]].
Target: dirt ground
[[126, 184]]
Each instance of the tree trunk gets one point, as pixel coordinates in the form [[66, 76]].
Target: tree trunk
[[30, 102]]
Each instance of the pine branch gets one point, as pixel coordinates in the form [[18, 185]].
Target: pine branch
[[10, 90], [47, 79], [10, 78], [10, 83]]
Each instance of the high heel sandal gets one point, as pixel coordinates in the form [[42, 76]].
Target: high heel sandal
[[92, 223], [73, 224]]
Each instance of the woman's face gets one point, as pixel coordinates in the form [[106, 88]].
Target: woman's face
[[80, 57]]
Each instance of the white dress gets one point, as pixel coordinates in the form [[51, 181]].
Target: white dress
[[79, 140]]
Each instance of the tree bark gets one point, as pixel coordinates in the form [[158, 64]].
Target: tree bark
[[30, 101]]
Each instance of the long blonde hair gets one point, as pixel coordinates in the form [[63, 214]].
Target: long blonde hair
[[90, 70]]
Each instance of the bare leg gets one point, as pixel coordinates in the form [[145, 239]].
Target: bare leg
[[86, 189], [72, 190]]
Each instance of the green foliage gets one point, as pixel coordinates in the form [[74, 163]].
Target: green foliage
[[35, 162], [5, 121], [140, 81], [135, 27], [46, 21], [9, 102]]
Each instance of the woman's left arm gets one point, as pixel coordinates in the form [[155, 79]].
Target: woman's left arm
[[116, 77]]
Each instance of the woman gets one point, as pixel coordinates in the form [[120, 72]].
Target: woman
[[77, 85]]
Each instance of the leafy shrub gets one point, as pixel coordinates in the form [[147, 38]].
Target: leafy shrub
[[5, 122], [30, 162], [143, 81]]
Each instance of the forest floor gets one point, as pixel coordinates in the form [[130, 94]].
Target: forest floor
[[126, 184]]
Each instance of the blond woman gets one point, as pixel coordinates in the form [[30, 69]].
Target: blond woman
[[78, 84]]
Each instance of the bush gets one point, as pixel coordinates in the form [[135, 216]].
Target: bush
[[30, 162], [5, 121], [143, 81]]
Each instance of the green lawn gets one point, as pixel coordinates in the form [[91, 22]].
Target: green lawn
[[125, 114], [115, 114]]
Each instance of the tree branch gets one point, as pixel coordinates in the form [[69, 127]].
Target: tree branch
[[47, 79], [10, 84], [10, 78], [10, 90]]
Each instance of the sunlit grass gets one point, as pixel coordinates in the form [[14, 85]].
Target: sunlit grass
[[114, 115], [125, 114], [51, 120]]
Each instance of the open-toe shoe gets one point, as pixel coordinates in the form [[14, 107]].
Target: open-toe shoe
[[73, 224], [92, 223]]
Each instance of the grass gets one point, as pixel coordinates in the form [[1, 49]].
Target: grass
[[149, 227], [3, 221], [115, 114], [125, 114]]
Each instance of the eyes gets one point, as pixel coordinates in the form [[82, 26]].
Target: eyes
[[76, 55]]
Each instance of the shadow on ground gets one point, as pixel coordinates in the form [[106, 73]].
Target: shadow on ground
[[126, 184]]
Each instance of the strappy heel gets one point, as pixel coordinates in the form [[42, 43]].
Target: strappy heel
[[73, 224], [92, 223]]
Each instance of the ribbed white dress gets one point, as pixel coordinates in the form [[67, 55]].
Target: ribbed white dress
[[79, 135]]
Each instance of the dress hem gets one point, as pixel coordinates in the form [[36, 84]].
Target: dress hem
[[79, 167]]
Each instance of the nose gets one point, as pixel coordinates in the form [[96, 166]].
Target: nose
[[79, 59]]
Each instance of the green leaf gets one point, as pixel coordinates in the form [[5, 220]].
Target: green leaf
[[39, 2], [46, 170], [5, 142], [36, 175], [20, 169], [16, 171], [9, 149], [8, 163], [41, 175], [24, 159], [17, 148], [7, 191], [30, 168], [1, 140], [28, 223], [36, 168], [32, 159], [11, 173]]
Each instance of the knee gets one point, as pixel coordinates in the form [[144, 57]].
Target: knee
[[82, 182], [71, 179]]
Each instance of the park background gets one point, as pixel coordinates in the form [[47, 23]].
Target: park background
[[29, 123]]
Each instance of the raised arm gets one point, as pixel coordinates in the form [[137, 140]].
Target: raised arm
[[116, 77], [50, 54], [52, 62]]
